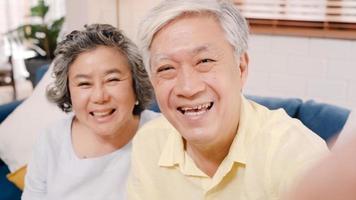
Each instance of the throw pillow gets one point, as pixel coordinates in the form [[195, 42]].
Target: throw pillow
[[18, 132], [18, 177]]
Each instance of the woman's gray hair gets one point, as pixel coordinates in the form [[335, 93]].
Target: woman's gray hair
[[88, 39], [230, 19]]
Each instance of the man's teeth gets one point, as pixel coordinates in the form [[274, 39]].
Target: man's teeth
[[194, 113], [196, 110]]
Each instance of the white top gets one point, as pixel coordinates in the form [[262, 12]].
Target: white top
[[55, 172]]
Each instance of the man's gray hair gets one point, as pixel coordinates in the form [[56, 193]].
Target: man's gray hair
[[91, 37], [232, 22]]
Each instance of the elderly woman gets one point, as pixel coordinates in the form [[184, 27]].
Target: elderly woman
[[99, 76]]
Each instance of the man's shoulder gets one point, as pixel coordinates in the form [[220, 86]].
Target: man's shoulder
[[278, 126], [286, 146]]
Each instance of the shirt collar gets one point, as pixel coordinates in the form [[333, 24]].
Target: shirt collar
[[173, 153]]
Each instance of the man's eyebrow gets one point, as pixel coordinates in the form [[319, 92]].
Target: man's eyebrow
[[159, 57], [197, 50]]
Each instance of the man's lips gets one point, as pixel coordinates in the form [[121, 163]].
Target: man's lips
[[196, 109]]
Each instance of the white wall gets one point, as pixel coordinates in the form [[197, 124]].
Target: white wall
[[131, 12], [309, 68], [81, 12]]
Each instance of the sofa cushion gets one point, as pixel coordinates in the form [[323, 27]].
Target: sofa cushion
[[290, 105], [8, 190], [18, 177]]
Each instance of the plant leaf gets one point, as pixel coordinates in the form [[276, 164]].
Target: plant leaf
[[57, 24], [40, 9]]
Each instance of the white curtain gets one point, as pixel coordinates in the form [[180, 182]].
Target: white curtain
[[13, 13]]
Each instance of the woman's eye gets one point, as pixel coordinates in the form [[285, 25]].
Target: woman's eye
[[83, 84], [113, 79]]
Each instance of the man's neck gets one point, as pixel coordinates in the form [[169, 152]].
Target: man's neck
[[209, 157]]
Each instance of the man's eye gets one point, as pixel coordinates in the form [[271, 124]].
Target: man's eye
[[164, 68], [205, 60], [205, 65], [166, 72]]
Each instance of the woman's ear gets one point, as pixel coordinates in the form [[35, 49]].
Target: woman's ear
[[244, 59]]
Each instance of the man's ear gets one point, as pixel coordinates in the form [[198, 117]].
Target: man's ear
[[244, 59]]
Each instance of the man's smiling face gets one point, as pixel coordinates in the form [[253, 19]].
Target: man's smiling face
[[197, 78]]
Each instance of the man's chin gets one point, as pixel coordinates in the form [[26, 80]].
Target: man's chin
[[196, 136]]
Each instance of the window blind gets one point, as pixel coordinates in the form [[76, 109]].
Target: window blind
[[319, 18]]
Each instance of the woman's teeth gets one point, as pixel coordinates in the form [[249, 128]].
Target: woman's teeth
[[102, 113]]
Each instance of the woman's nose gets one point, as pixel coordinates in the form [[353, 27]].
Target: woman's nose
[[99, 95]]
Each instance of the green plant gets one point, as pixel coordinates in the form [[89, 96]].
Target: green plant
[[41, 36]]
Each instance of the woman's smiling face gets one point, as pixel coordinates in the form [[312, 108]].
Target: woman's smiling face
[[101, 90]]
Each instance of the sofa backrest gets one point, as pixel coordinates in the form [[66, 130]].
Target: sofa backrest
[[326, 120]]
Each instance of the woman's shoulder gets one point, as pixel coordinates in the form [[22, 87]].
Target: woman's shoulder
[[57, 131]]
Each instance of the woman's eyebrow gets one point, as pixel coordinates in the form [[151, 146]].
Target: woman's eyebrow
[[113, 71]]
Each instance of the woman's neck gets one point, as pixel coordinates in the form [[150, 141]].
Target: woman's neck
[[88, 144]]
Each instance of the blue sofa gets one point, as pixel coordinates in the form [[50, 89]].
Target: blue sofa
[[324, 119], [9, 191]]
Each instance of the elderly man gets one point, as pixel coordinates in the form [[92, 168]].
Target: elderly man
[[212, 143]]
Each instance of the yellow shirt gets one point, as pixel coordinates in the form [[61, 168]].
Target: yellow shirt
[[268, 152]]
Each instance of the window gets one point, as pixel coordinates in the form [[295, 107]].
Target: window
[[315, 18], [14, 13]]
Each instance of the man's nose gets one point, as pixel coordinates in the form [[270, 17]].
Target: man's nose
[[99, 94], [189, 83]]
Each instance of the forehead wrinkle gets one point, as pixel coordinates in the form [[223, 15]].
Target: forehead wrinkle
[[107, 72]]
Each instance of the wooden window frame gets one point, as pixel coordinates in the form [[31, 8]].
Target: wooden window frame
[[329, 25]]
